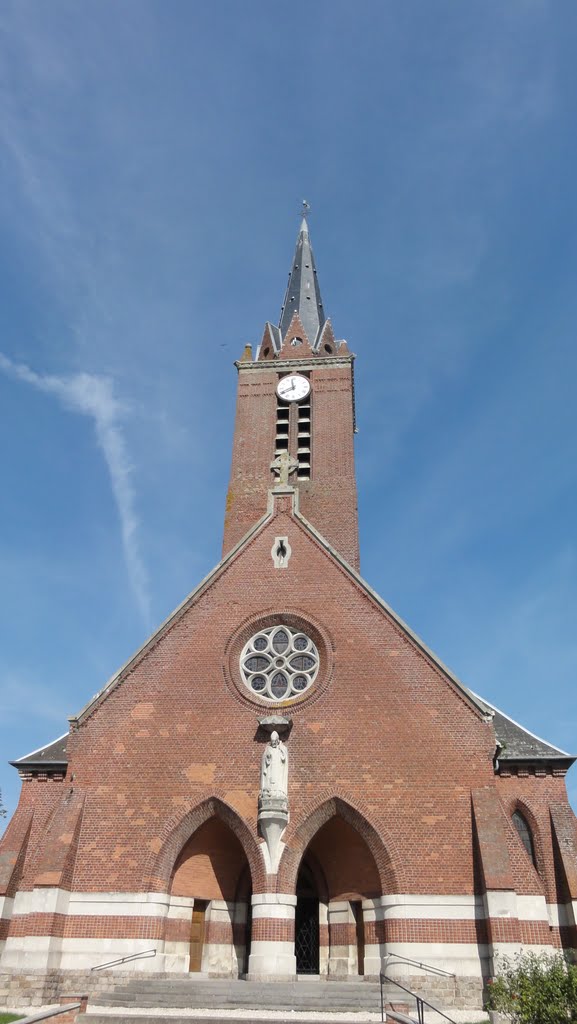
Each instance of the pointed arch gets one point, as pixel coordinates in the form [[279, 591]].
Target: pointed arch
[[179, 829], [530, 835], [387, 864]]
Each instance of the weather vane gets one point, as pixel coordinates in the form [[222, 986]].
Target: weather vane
[[306, 208]]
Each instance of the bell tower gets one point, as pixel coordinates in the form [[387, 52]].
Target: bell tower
[[296, 395]]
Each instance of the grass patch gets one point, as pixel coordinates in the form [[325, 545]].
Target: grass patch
[[5, 1018]]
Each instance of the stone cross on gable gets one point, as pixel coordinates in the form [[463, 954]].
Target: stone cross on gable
[[284, 465]]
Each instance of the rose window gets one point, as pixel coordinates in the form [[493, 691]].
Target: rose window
[[279, 663]]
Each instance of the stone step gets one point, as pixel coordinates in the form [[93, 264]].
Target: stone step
[[180, 993], [109, 1018], [280, 1004], [284, 1005], [208, 998], [217, 984], [238, 989]]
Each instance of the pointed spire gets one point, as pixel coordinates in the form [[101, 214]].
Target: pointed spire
[[303, 294]]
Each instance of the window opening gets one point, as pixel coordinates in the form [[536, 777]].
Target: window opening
[[279, 663], [525, 835]]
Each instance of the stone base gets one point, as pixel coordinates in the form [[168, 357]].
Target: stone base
[[40, 988], [272, 964], [461, 993], [47, 988]]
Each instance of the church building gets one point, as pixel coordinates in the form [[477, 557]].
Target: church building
[[284, 779]]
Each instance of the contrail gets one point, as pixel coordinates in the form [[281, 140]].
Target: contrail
[[93, 396]]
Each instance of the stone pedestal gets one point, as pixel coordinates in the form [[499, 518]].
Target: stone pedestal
[[272, 821]]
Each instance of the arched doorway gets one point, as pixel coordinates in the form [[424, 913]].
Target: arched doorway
[[212, 877], [307, 939], [347, 880]]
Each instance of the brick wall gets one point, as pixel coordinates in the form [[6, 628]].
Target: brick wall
[[386, 732], [210, 864], [384, 741], [329, 499]]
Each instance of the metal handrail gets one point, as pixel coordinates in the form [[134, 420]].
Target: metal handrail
[[125, 959], [52, 1011], [421, 1003], [416, 963]]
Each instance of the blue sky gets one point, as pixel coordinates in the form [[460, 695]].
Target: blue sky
[[153, 158]]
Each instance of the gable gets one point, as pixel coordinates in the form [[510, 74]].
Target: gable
[[199, 639]]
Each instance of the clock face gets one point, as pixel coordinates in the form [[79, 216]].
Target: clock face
[[293, 388]]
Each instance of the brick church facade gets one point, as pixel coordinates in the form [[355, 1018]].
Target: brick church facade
[[419, 821]]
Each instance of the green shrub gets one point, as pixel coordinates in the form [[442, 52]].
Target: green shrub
[[534, 988]]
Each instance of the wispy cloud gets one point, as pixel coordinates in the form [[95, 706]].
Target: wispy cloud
[[93, 396]]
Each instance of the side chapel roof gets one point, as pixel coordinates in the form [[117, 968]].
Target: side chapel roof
[[51, 757], [517, 743]]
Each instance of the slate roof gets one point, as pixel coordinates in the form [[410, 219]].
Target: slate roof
[[50, 756], [303, 295], [518, 744]]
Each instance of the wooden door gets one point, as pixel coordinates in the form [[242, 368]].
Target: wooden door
[[197, 935], [357, 909]]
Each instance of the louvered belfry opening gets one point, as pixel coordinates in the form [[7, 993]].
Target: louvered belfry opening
[[304, 439]]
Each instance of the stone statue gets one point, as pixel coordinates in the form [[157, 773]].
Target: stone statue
[[274, 769], [273, 813]]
